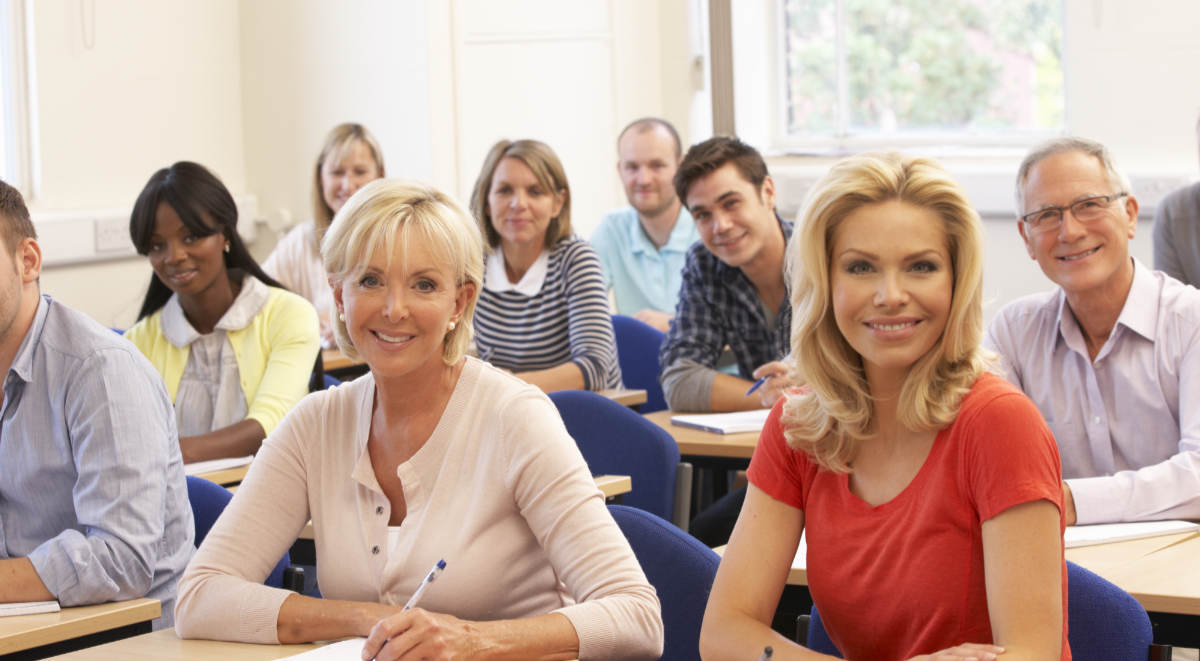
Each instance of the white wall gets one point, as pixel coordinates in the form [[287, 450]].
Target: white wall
[[161, 82], [568, 74], [309, 65]]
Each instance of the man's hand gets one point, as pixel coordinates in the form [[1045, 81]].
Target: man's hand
[[776, 384], [659, 320], [1068, 507]]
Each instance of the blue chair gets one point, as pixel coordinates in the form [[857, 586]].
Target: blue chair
[[615, 440], [1104, 623], [208, 501], [637, 352], [331, 382], [680, 568]]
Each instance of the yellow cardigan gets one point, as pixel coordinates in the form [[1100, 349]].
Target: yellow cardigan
[[275, 355]]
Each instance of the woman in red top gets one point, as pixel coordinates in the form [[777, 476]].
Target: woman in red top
[[928, 488]]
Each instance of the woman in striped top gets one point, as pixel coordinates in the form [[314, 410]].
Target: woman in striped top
[[543, 312]]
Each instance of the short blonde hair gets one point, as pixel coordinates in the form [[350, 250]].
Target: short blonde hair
[[835, 412], [550, 174], [387, 211], [337, 146]]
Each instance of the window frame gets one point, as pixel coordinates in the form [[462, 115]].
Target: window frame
[[18, 94], [942, 143]]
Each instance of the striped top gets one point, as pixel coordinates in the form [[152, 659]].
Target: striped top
[[567, 320]]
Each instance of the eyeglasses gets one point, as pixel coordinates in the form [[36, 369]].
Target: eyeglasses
[[1085, 211]]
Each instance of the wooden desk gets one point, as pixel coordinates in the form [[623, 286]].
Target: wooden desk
[[226, 477], [1161, 572], [336, 360], [26, 632], [164, 645], [703, 443], [610, 485], [625, 397]]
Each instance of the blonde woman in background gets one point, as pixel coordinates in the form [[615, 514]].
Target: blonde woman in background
[[350, 159], [432, 455], [914, 472]]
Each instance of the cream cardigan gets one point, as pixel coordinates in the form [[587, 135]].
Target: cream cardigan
[[275, 354], [500, 491]]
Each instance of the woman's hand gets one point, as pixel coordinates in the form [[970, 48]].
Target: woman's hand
[[964, 652], [777, 382], [419, 634]]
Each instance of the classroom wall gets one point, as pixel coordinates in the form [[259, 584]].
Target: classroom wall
[[309, 65], [249, 88], [568, 74], [125, 87]]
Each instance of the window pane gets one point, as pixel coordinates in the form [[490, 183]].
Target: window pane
[[811, 52], [928, 65]]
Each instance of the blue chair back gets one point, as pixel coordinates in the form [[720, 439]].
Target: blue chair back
[[208, 501], [637, 351], [818, 637], [1104, 623], [680, 568], [615, 440], [331, 381]]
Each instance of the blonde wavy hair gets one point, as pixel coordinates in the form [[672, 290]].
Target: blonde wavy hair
[[835, 410], [385, 215]]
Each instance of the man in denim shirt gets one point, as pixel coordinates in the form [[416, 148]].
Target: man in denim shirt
[[93, 502], [733, 291]]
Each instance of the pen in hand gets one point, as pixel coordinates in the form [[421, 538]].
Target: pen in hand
[[758, 384], [433, 574], [766, 655]]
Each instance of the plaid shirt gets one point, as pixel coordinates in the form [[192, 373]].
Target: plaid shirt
[[719, 306]]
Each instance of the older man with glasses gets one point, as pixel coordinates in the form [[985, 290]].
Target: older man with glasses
[[1111, 356]]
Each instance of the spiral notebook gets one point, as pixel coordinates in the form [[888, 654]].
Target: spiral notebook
[[29, 608], [724, 423]]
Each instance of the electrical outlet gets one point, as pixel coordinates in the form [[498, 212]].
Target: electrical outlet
[[112, 235]]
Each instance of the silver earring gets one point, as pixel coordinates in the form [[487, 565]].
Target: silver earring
[[226, 247], [341, 316], [451, 326]]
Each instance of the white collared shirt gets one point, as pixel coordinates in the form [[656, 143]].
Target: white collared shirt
[[530, 284], [1127, 424], [210, 395]]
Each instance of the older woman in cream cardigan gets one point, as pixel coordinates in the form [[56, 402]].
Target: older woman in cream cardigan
[[431, 456]]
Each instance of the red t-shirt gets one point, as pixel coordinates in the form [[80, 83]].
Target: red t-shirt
[[906, 577]]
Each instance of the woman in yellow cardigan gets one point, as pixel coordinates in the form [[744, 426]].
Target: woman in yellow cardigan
[[236, 349]]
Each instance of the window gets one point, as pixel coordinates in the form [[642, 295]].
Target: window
[[16, 111], [974, 72]]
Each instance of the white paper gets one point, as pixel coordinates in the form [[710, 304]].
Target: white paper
[[1108, 533], [211, 466], [347, 650], [29, 608], [725, 423]]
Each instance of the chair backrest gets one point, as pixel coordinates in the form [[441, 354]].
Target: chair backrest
[[615, 440], [680, 568], [637, 351], [1104, 623], [208, 500], [331, 382], [818, 637]]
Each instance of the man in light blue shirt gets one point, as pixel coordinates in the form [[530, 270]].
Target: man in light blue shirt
[[93, 502], [643, 246]]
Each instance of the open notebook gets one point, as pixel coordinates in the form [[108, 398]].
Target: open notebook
[[200, 467], [347, 650], [724, 423], [1108, 533], [29, 608]]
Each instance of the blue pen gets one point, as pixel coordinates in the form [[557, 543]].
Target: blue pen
[[433, 574], [757, 384]]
